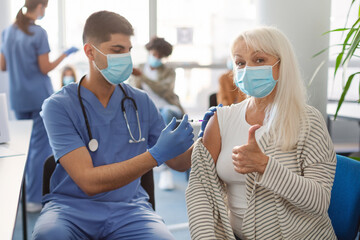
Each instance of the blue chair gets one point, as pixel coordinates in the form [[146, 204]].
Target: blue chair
[[344, 209]]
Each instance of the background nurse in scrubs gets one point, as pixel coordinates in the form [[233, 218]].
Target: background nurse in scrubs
[[25, 55]]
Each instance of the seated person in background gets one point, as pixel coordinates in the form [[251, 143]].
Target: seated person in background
[[229, 93], [101, 151], [158, 79], [272, 151], [68, 75]]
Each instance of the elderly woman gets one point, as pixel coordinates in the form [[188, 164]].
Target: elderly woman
[[271, 154]]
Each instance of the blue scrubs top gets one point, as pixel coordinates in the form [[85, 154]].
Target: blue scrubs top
[[66, 128], [29, 87]]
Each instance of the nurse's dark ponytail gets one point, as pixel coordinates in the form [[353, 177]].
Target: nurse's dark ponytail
[[22, 21]]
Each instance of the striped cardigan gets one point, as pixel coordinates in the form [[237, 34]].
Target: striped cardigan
[[282, 204]]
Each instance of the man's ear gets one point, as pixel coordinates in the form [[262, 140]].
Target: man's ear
[[89, 51]]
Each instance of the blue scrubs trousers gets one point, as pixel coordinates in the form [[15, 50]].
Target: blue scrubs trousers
[[39, 150], [89, 219]]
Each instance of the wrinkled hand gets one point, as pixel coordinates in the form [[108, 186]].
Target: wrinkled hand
[[136, 72], [173, 142], [249, 157], [71, 50], [206, 119]]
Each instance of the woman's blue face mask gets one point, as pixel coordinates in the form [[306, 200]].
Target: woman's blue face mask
[[256, 81], [154, 62], [119, 67]]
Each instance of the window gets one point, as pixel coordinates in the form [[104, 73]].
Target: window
[[339, 11], [201, 32], [64, 22]]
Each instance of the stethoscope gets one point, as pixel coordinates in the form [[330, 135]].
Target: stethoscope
[[93, 143]]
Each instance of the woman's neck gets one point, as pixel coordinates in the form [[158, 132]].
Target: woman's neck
[[258, 104], [256, 110], [31, 15]]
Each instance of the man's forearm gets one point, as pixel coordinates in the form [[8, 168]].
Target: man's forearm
[[94, 180], [182, 162]]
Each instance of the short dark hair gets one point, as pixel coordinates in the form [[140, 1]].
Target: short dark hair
[[163, 47], [100, 25]]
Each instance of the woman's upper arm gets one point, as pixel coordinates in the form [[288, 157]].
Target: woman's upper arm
[[44, 63], [212, 138], [2, 62]]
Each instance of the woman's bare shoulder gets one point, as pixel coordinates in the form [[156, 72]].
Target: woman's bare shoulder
[[212, 138]]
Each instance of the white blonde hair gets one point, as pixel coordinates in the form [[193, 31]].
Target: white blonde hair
[[284, 115]]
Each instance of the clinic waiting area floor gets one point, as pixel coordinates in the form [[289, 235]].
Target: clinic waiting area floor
[[169, 204]]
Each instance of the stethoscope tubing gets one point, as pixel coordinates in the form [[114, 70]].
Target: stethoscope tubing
[[83, 110], [93, 143]]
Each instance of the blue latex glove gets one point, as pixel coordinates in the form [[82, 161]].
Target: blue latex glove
[[206, 119], [173, 142], [71, 50]]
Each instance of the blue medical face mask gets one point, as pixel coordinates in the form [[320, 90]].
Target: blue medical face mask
[[119, 67], [67, 80], [256, 81], [154, 62]]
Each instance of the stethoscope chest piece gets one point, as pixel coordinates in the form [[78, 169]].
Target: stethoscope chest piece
[[93, 145]]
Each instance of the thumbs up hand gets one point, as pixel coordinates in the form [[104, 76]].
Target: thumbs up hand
[[249, 157]]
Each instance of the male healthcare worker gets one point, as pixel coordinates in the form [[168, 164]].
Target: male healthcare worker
[[95, 191], [25, 54]]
